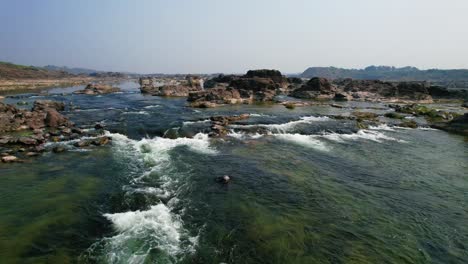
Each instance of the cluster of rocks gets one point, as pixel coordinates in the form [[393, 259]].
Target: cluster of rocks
[[95, 89], [254, 86], [458, 125], [182, 89], [25, 132], [368, 90], [219, 124]]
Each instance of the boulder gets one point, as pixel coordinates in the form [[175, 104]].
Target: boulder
[[54, 119], [9, 159]]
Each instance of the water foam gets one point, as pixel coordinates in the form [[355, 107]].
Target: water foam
[[196, 122], [160, 227], [286, 127], [304, 140], [371, 135], [142, 231]]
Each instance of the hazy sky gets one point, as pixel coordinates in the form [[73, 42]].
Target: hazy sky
[[202, 36]]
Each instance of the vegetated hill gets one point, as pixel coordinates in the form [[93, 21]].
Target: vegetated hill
[[388, 74], [70, 70], [14, 71]]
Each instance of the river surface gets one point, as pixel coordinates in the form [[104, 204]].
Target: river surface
[[306, 188]]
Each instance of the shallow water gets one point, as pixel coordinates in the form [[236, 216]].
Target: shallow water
[[305, 188]]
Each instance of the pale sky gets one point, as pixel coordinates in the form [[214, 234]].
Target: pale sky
[[208, 36]]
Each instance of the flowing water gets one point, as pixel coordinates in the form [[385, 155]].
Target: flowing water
[[306, 188]]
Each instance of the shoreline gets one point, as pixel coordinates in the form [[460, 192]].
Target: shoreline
[[27, 85]]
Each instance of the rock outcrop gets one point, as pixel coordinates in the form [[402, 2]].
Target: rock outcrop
[[255, 86], [181, 89], [458, 125], [26, 131], [219, 124], [316, 88], [366, 90], [95, 89]]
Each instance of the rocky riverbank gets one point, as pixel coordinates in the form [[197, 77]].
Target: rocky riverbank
[[27, 133]]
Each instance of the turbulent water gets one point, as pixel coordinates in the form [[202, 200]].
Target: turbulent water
[[306, 188]]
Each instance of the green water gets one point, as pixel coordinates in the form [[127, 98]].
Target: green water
[[305, 189]]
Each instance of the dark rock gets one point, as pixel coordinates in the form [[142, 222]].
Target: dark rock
[[82, 143], [98, 126], [459, 125], [409, 124], [365, 115], [316, 88], [58, 149], [223, 179]]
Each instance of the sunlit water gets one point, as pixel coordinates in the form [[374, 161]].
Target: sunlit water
[[306, 188]]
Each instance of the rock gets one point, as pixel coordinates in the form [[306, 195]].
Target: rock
[[342, 96], [54, 119], [413, 91], [290, 105], [95, 89], [27, 141], [9, 159], [45, 104], [316, 88], [459, 125], [101, 141], [409, 124], [336, 106], [82, 143], [58, 149], [179, 89], [219, 123], [98, 126], [394, 115], [217, 96], [32, 154], [223, 179], [445, 93], [365, 115]]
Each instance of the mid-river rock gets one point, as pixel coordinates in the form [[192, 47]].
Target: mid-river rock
[[9, 159], [95, 89]]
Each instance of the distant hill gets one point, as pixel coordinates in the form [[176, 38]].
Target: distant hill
[[389, 74], [70, 70], [15, 71]]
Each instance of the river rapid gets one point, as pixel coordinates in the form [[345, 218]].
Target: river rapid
[[305, 188]]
